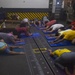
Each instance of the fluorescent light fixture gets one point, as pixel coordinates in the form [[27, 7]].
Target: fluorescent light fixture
[[57, 2]]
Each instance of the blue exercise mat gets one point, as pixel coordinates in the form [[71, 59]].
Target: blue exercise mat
[[33, 35], [41, 27], [37, 27], [47, 32], [17, 43], [18, 49], [50, 38], [64, 43], [20, 43]]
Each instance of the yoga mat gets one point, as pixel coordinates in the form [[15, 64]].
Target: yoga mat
[[18, 49], [17, 43], [33, 35], [47, 32], [64, 43], [50, 38]]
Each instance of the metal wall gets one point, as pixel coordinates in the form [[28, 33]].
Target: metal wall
[[26, 13]]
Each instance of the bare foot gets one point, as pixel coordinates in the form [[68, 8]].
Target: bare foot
[[20, 46], [44, 31], [51, 42], [22, 53], [21, 40], [30, 34], [50, 50]]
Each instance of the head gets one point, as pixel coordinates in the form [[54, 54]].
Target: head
[[15, 37], [16, 33], [1, 39], [37, 23], [25, 20], [46, 22], [61, 29], [45, 17], [24, 24], [57, 34]]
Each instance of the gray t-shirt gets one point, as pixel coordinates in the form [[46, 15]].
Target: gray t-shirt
[[45, 19], [6, 37]]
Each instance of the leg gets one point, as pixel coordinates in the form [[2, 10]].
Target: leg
[[8, 51], [27, 31], [11, 47]]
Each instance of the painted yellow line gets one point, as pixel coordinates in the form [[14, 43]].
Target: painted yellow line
[[43, 48], [40, 49], [36, 50]]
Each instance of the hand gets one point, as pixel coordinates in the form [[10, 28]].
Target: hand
[[20, 46], [21, 40], [50, 50], [52, 42], [44, 31], [22, 53]]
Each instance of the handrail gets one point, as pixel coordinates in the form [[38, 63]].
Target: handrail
[[12, 21]]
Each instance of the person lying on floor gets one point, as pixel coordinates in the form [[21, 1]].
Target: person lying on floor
[[60, 31], [36, 22], [67, 28], [67, 35], [54, 27], [65, 57], [24, 28], [9, 37], [45, 20], [4, 48], [15, 36], [49, 24]]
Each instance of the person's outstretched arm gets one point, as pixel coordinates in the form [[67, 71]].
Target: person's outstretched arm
[[51, 53], [8, 51], [15, 53], [60, 40], [15, 46]]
